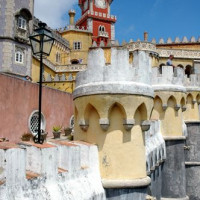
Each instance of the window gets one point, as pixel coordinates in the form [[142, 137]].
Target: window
[[21, 23], [19, 56], [33, 122], [102, 28], [58, 59], [77, 45]]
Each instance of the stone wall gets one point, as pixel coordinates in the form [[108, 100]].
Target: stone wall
[[9, 38], [52, 171], [18, 99], [193, 160]]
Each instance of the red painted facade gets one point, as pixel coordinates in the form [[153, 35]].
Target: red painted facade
[[19, 99], [100, 18]]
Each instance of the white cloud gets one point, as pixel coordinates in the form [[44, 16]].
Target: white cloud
[[52, 11]]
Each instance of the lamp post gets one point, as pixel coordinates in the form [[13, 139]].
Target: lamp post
[[41, 43]]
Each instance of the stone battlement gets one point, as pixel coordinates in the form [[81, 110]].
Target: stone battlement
[[168, 78], [63, 166], [178, 40], [120, 77], [193, 82], [155, 146], [174, 79]]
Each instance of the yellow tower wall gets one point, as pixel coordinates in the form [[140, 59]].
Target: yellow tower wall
[[121, 151]]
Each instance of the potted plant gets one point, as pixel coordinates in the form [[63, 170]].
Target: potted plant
[[44, 134], [26, 137], [57, 131], [67, 131]]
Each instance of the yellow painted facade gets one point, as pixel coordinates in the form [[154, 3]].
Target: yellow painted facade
[[116, 144], [85, 39], [168, 108], [192, 105]]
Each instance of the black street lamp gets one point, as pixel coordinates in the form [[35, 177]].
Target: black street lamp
[[41, 42]]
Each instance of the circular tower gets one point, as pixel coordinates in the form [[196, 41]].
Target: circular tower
[[113, 104]]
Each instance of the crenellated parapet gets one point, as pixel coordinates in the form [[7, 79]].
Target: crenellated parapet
[[31, 170], [168, 78], [155, 146], [177, 40], [192, 83], [119, 77]]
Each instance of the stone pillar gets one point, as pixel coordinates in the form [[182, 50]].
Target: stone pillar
[[173, 172], [112, 111], [192, 158]]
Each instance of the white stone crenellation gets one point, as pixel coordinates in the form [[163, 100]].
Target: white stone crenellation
[[155, 146], [168, 78], [119, 77], [56, 171], [193, 82]]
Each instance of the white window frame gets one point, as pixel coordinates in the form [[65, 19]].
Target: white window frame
[[19, 56], [22, 23], [35, 113], [77, 45]]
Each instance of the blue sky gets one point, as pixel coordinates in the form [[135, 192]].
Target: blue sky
[[160, 18]]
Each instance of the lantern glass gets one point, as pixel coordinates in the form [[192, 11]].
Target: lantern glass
[[42, 41]]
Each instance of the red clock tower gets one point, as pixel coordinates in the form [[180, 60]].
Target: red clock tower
[[96, 17]]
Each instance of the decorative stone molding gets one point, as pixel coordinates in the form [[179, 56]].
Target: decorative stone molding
[[128, 124], [145, 125], [184, 198], [167, 138], [184, 108], [177, 107], [136, 183], [179, 53], [164, 106], [84, 124], [192, 163], [194, 101], [145, 46], [104, 123]]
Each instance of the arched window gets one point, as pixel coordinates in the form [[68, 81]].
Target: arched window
[[22, 23], [188, 70], [102, 28], [19, 56]]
